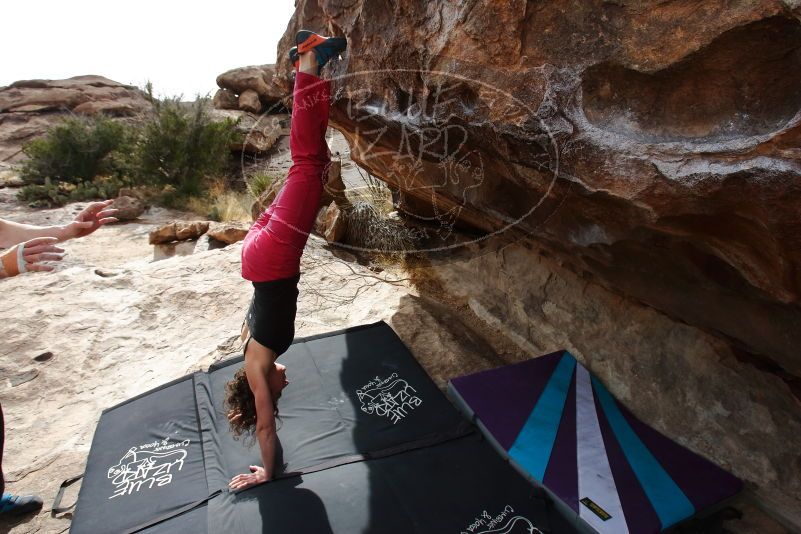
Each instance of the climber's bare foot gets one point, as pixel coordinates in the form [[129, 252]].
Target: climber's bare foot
[[308, 62]]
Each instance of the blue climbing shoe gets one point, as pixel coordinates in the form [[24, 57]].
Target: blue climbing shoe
[[11, 505], [325, 48]]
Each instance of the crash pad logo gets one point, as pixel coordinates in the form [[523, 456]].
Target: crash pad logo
[[505, 522], [390, 397], [147, 465]]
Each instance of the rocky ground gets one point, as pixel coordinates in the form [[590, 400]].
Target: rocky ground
[[112, 322]]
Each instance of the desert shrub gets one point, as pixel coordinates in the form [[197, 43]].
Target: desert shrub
[[183, 147], [368, 228], [177, 151], [101, 187], [77, 150], [378, 195], [46, 195], [217, 203], [52, 194], [230, 206], [259, 182], [373, 223]]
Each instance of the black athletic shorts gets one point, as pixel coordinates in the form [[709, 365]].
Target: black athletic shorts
[[271, 316]]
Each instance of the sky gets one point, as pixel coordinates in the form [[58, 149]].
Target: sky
[[180, 46]]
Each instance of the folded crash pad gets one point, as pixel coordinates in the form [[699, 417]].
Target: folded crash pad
[[562, 428], [367, 443]]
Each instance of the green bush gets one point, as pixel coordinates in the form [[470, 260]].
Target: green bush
[[230, 206], [46, 195], [53, 194], [258, 183], [99, 188], [77, 150], [178, 149], [183, 147]]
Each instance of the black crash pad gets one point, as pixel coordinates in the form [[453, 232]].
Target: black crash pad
[[367, 443]]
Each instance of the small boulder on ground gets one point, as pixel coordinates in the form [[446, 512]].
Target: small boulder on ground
[[178, 231], [128, 208], [131, 192], [228, 232], [335, 224]]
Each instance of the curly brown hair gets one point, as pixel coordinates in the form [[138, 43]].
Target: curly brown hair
[[239, 399]]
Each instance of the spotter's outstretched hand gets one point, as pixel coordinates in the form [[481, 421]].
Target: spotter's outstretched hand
[[90, 219]]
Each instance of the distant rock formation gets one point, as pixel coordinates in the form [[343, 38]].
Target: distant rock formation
[[251, 96], [28, 108], [250, 89], [650, 148]]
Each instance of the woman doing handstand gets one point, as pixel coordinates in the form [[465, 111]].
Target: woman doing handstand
[[271, 257]]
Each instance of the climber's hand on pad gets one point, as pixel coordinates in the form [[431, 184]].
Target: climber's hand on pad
[[254, 478]]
